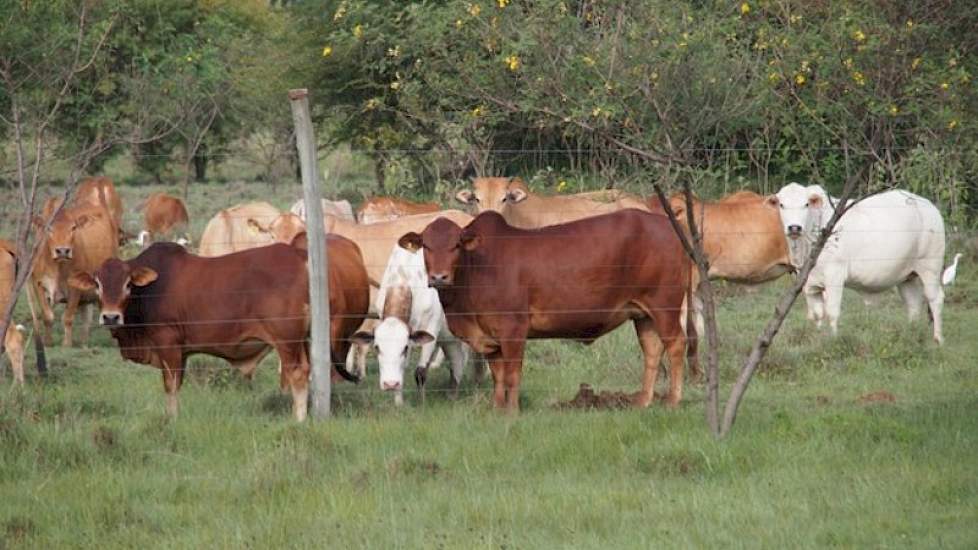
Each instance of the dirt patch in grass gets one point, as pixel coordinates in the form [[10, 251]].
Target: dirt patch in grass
[[880, 396], [586, 398]]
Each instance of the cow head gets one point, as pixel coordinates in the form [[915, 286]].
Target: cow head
[[283, 229], [61, 232], [800, 208], [495, 194], [392, 338], [113, 282], [443, 242]]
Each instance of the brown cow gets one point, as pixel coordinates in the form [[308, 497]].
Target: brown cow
[[501, 285], [522, 208], [166, 304], [13, 339], [381, 209], [242, 227], [742, 236], [79, 239], [163, 215]]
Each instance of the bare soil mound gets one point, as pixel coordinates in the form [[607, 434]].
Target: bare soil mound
[[586, 398], [881, 396]]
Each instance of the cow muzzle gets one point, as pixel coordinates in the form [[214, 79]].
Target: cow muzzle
[[110, 319], [62, 253], [437, 280], [390, 386], [794, 231]]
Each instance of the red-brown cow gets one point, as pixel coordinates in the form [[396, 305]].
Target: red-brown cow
[[167, 304], [163, 215], [500, 285]]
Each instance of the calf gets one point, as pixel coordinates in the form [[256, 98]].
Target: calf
[[411, 314], [163, 215], [501, 285], [167, 304]]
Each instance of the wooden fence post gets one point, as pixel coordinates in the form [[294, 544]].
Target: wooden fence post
[[318, 260]]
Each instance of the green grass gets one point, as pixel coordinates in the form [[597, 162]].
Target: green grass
[[88, 459]]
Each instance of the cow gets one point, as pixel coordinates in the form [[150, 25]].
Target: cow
[[163, 216], [524, 209], [891, 239], [242, 227], [13, 338], [94, 191], [501, 285], [340, 209], [166, 304], [742, 235], [78, 238], [411, 314], [376, 241], [381, 209]]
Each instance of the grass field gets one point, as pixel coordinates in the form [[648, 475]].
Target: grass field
[[88, 459]]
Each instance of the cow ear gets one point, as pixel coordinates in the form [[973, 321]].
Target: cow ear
[[300, 241], [470, 241], [81, 281], [142, 276], [772, 200], [410, 242], [815, 201], [362, 338], [420, 338], [465, 196], [515, 196]]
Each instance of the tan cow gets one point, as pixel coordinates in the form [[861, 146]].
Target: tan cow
[[524, 209], [340, 208], [163, 216], [13, 339], [243, 227], [79, 239], [742, 236], [381, 209]]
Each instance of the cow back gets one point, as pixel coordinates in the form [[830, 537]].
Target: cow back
[[228, 231]]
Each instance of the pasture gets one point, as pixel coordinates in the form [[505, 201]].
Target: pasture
[[865, 440]]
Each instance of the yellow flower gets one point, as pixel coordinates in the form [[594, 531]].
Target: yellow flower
[[859, 36], [327, 51], [915, 63], [189, 58], [952, 62], [358, 31], [371, 104], [513, 62], [909, 23], [894, 110], [588, 60], [478, 111], [773, 77], [561, 185], [596, 111], [744, 8], [340, 12], [848, 63], [945, 85], [859, 78], [794, 18], [475, 10], [458, 23], [800, 79], [394, 52], [502, 3], [952, 125], [395, 85]]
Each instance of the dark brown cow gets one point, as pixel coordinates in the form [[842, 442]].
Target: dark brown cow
[[167, 304], [500, 285]]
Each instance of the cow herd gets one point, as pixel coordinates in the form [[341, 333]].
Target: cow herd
[[404, 274]]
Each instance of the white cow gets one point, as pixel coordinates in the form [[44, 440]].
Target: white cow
[[411, 313], [341, 209], [891, 239]]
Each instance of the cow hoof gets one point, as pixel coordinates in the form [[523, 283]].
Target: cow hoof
[[420, 376], [640, 400]]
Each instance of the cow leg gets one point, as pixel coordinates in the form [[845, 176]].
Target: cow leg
[[88, 312], [815, 300], [456, 356], [172, 365], [68, 319], [13, 343], [912, 292], [652, 349], [934, 292], [479, 366], [512, 370], [295, 374], [47, 316]]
